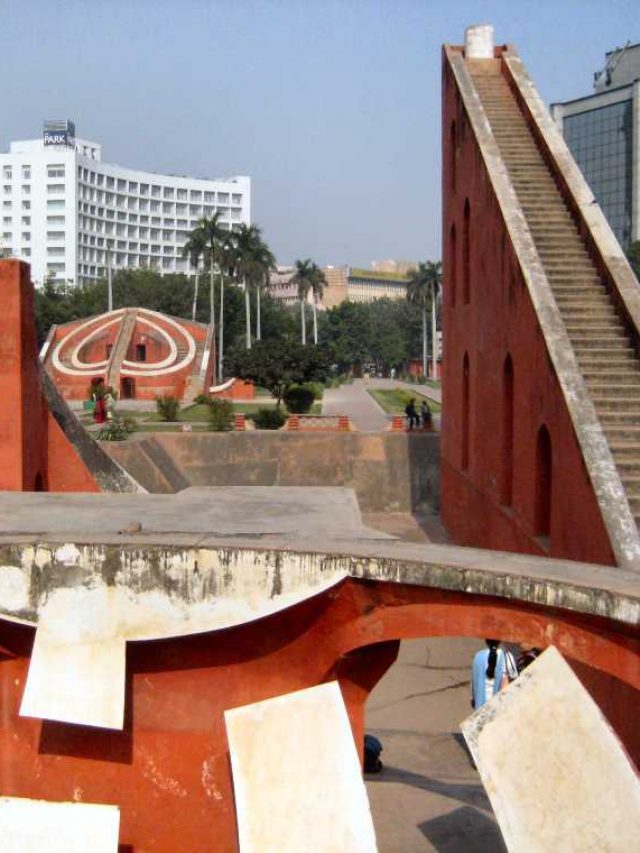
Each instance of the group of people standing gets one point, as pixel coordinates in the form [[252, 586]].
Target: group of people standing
[[415, 418]]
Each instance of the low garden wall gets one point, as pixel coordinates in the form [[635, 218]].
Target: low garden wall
[[390, 472]]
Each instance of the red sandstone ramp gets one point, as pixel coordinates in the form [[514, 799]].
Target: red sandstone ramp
[[542, 319], [42, 445]]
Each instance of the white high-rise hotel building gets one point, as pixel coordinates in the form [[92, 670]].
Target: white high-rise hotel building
[[71, 216]]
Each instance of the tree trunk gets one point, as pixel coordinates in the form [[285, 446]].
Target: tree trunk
[[258, 320], [424, 341], [195, 297], [221, 329], [303, 324], [315, 321], [247, 307], [212, 309], [434, 349]]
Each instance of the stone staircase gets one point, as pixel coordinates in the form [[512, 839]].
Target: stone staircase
[[601, 342], [120, 347]]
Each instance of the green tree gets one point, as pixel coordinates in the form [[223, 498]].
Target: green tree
[[276, 365], [303, 281], [248, 243], [422, 290], [318, 284], [193, 250]]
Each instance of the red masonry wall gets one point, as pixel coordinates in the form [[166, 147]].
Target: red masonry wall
[[485, 322], [35, 455]]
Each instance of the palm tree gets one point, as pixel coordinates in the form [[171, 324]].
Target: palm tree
[[247, 242], [318, 284], [193, 249], [213, 234], [227, 264], [303, 280], [265, 261], [422, 288]]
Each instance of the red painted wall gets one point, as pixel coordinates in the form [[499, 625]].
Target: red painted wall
[[35, 455], [497, 321], [169, 768]]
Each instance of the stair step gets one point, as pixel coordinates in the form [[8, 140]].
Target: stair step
[[629, 417]]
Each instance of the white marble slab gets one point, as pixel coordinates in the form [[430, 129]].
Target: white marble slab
[[296, 775], [37, 826], [555, 772], [77, 668]]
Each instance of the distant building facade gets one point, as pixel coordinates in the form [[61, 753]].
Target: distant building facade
[[603, 133], [71, 216], [345, 283]]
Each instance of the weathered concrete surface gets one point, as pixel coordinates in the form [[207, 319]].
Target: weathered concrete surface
[[77, 669], [296, 775], [554, 771], [252, 511], [35, 826], [393, 472]]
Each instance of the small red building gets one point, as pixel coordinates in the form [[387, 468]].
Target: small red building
[[141, 353]]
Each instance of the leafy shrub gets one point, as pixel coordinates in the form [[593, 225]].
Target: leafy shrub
[[298, 399], [116, 430], [316, 388], [269, 418], [202, 400], [221, 415], [168, 407]]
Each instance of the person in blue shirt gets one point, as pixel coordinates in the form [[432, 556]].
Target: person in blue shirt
[[490, 665]]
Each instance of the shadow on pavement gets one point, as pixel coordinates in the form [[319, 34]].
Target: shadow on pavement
[[464, 830], [472, 794]]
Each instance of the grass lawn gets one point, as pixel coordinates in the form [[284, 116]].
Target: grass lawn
[[394, 400]]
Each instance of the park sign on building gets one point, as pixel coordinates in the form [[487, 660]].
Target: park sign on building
[[59, 132]]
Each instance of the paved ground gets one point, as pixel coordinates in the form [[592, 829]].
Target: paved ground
[[237, 510], [354, 400], [428, 797]]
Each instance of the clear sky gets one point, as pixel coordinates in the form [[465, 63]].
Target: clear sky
[[333, 108]]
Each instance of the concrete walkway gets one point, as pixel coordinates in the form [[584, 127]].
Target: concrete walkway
[[363, 411], [354, 401]]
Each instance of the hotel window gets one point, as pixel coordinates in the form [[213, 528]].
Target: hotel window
[[236, 199], [167, 235], [122, 185], [110, 182], [7, 220], [182, 195], [155, 190], [166, 263], [7, 188], [144, 189], [209, 198], [26, 205], [55, 204], [55, 251], [55, 220], [26, 252], [168, 192], [26, 236], [223, 198], [26, 189], [196, 195], [26, 220], [6, 205], [6, 173], [167, 207], [55, 235], [133, 187], [26, 173], [55, 188], [100, 180]]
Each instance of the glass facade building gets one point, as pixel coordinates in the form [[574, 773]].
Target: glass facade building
[[601, 141], [602, 132]]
